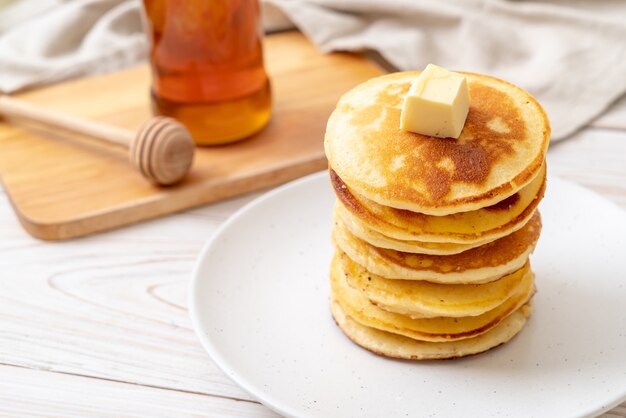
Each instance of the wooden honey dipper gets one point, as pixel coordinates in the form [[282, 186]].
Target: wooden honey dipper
[[162, 148]]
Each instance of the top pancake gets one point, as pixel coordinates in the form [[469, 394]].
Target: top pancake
[[500, 150]]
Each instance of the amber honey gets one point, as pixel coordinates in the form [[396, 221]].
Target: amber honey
[[207, 64]]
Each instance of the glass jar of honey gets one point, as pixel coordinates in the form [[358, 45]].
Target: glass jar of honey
[[207, 66]]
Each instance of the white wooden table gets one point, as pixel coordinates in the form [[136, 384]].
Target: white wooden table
[[98, 327]]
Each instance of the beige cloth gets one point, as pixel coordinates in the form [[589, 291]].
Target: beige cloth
[[571, 54], [45, 41]]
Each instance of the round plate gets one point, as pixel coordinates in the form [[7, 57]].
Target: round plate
[[259, 303]]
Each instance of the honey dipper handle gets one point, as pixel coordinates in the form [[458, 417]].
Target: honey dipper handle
[[14, 108]]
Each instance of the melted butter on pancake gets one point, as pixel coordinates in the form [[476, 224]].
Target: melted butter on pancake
[[359, 307], [481, 264], [421, 299], [358, 229], [500, 150], [439, 162], [479, 225]]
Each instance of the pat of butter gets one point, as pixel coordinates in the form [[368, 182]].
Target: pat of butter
[[437, 103]]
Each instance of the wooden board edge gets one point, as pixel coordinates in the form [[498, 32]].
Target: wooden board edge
[[150, 208]]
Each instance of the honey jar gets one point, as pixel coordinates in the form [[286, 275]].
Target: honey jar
[[207, 67]]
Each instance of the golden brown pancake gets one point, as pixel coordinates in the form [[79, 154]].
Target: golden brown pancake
[[397, 346], [421, 299], [355, 304], [481, 225], [466, 227], [501, 149], [482, 264], [358, 229]]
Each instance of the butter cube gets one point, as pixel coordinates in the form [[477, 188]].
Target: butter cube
[[437, 103]]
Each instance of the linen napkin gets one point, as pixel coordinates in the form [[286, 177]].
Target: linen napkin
[[45, 41], [570, 55]]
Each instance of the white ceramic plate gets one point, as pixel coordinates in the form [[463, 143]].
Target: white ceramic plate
[[259, 303]]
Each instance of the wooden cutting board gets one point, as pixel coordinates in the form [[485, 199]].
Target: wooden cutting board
[[61, 187]]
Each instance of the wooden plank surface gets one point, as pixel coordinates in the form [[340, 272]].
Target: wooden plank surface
[[62, 187], [114, 303], [98, 326], [36, 393]]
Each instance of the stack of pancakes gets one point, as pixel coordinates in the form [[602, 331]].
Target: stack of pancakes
[[433, 235]]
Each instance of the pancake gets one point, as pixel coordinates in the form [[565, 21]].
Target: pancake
[[421, 299], [479, 265], [355, 304], [500, 150], [481, 225], [396, 346], [379, 240]]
